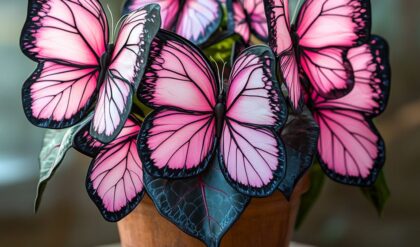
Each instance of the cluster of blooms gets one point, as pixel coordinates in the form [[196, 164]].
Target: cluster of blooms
[[102, 85]]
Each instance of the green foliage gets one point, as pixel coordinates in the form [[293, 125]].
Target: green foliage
[[139, 109], [317, 177], [225, 21], [378, 194], [223, 49], [56, 144]]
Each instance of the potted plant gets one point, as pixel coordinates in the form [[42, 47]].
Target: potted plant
[[202, 121]]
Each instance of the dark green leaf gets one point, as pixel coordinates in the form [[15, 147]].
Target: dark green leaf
[[316, 176], [379, 193], [56, 144], [205, 206], [300, 137]]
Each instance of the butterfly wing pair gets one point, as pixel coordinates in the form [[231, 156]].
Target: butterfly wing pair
[[195, 20], [349, 75], [115, 176], [316, 46], [68, 39], [249, 18], [179, 138], [350, 148]]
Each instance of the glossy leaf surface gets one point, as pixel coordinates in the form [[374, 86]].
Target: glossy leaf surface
[[300, 137], [205, 206], [56, 144]]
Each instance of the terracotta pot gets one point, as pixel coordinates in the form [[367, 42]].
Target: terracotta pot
[[266, 222]]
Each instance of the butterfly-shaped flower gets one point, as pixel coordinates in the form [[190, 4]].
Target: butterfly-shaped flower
[[316, 46], [195, 20], [350, 148], [249, 18], [69, 40], [193, 117]]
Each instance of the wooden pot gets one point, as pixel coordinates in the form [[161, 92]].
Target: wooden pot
[[267, 222]]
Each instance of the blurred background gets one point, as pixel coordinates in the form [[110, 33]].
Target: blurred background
[[341, 217]]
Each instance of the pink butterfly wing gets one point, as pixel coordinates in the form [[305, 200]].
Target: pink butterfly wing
[[350, 148], [178, 76], [115, 176], [67, 38], [258, 20], [129, 59], [168, 13], [199, 19], [176, 144], [177, 140], [291, 75], [329, 71], [57, 95], [70, 32], [254, 96], [326, 23], [251, 153], [281, 42], [372, 79], [240, 21], [277, 12], [253, 158]]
